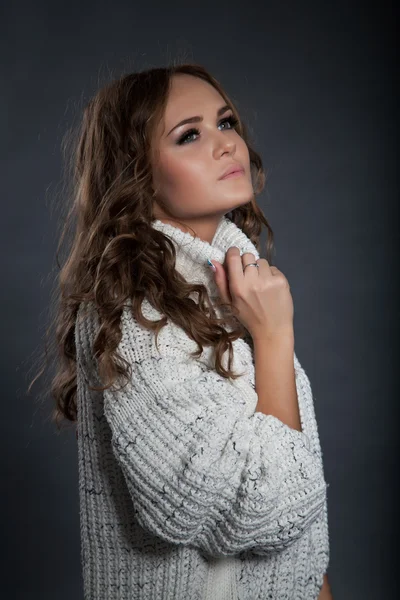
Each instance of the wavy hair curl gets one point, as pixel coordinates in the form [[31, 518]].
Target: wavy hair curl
[[115, 253]]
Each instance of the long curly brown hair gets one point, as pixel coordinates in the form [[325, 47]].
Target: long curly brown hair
[[115, 254]]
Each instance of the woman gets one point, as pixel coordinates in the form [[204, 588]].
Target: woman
[[201, 474]]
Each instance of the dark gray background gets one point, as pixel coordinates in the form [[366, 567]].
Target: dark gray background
[[315, 82]]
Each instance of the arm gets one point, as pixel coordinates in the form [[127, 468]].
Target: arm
[[199, 470], [284, 390], [275, 378]]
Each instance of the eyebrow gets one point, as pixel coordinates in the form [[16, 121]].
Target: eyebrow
[[220, 111]]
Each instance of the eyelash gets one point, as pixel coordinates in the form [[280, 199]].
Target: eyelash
[[231, 120]]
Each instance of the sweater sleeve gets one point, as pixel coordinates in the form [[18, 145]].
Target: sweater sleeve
[[320, 528], [200, 471]]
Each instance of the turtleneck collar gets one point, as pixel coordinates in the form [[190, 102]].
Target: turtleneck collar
[[192, 252]]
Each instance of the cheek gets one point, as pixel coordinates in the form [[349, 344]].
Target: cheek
[[183, 171], [243, 150]]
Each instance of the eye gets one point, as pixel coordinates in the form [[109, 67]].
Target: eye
[[231, 120], [194, 131]]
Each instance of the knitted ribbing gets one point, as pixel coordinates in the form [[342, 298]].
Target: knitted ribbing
[[179, 475]]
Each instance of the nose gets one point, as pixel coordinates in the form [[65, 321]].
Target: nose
[[223, 145]]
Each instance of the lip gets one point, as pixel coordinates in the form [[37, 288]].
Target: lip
[[233, 171]]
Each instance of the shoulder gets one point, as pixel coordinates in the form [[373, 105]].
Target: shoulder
[[172, 340], [137, 341]]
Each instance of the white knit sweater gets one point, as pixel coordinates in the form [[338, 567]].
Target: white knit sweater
[[187, 493]]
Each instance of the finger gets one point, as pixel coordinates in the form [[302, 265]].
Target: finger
[[248, 259], [234, 268], [264, 269], [222, 282]]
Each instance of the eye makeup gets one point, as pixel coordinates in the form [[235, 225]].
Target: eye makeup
[[232, 120]]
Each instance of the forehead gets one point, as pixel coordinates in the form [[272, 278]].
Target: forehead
[[190, 96]]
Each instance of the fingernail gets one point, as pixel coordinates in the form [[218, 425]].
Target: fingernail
[[211, 265]]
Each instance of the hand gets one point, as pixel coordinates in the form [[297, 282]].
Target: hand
[[260, 297], [325, 593]]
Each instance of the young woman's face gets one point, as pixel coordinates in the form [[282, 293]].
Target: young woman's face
[[187, 171]]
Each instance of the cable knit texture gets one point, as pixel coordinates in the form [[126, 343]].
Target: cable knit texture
[[187, 493]]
